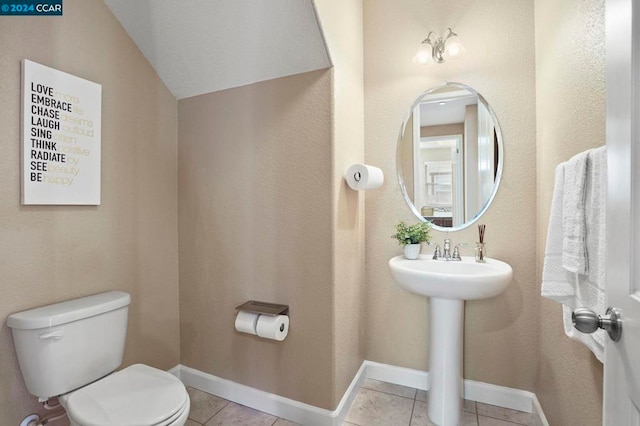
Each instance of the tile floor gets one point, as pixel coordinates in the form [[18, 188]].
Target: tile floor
[[377, 404]]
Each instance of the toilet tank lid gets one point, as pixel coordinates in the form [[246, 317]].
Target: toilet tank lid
[[68, 311]]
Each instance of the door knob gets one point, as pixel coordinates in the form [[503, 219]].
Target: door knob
[[587, 321]]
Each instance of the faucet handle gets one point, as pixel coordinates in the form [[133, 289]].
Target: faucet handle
[[436, 253], [456, 251]]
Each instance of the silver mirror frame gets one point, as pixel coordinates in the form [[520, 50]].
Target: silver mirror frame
[[498, 179]]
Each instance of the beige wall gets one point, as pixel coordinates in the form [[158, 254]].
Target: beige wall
[[502, 341], [265, 214], [500, 333], [571, 114], [53, 253], [342, 28], [255, 223], [442, 130]]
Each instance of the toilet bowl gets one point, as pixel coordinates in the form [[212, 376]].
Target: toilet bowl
[[71, 349], [136, 395]]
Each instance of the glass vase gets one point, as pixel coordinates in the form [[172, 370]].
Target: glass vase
[[481, 252]]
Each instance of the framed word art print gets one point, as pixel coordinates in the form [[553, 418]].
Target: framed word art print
[[61, 126]]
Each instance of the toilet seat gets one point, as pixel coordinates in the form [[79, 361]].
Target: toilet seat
[[137, 395]]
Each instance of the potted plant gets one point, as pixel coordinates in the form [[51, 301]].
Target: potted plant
[[411, 237]]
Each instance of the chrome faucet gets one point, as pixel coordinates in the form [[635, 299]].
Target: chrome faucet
[[446, 251]]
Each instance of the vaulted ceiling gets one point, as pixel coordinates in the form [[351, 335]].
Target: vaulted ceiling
[[202, 46]]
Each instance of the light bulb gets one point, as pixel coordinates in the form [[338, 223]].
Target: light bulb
[[423, 56], [454, 48]]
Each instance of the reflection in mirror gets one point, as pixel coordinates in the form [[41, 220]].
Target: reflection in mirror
[[450, 156]]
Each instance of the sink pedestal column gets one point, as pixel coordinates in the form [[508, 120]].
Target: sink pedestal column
[[445, 395]]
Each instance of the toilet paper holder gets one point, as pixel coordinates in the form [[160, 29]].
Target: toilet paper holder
[[263, 308]]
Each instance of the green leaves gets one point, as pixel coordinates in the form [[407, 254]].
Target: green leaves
[[414, 234]]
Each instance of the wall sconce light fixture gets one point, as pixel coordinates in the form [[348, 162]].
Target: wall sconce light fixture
[[439, 48]]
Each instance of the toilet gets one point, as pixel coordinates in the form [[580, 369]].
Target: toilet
[[71, 350]]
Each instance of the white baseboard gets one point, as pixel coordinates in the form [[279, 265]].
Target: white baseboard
[[397, 375], [306, 414], [349, 396], [276, 405], [540, 418], [501, 396], [176, 371]]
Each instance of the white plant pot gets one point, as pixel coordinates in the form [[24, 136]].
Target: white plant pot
[[411, 251]]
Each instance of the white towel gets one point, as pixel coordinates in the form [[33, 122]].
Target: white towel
[[557, 283], [572, 289], [574, 229], [595, 214]]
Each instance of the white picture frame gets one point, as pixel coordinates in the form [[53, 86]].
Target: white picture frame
[[61, 137]]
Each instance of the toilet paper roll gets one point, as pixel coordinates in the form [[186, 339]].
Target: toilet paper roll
[[246, 322], [362, 177], [273, 327]]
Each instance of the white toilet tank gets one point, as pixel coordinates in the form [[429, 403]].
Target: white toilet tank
[[64, 346]]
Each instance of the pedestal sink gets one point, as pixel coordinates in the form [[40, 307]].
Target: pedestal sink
[[449, 284]]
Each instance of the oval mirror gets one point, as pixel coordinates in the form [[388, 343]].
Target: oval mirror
[[450, 156]]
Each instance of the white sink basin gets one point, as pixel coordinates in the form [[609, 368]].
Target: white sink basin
[[463, 280]]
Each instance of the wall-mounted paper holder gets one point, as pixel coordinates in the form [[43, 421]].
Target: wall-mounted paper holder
[[264, 308]]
